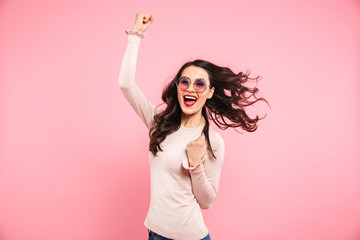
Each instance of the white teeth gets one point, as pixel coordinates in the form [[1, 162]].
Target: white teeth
[[190, 98]]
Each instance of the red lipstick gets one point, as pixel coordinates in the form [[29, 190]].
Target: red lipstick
[[189, 100]]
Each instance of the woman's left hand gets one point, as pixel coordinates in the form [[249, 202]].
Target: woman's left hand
[[195, 151]]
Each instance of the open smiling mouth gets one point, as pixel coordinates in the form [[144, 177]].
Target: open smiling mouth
[[189, 100]]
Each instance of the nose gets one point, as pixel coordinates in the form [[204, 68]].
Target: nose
[[191, 88]]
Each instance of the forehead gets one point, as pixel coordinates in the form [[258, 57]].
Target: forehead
[[194, 72]]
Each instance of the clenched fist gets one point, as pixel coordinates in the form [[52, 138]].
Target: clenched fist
[[195, 151], [142, 22]]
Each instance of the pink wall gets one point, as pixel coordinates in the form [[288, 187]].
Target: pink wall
[[73, 154]]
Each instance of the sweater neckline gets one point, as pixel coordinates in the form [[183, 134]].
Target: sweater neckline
[[191, 128]]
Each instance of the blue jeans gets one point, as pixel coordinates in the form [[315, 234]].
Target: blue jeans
[[154, 236]]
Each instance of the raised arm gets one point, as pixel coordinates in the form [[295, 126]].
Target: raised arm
[[127, 83]]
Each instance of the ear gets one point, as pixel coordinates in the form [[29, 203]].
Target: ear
[[211, 93]]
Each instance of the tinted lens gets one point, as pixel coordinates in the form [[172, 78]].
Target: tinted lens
[[183, 83], [200, 85]]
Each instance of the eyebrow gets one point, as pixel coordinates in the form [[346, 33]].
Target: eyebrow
[[195, 78]]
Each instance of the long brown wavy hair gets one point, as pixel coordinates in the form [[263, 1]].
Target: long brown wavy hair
[[226, 108]]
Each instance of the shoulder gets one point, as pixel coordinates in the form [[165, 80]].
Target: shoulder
[[216, 141], [217, 145]]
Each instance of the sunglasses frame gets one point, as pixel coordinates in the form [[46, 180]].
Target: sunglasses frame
[[201, 79]]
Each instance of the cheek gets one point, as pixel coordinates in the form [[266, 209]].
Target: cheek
[[179, 96], [203, 98], [201, 101]]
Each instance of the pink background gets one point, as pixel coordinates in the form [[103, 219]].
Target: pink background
[[73, 154]]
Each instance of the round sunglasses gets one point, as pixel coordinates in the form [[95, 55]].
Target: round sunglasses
[[184, 83]]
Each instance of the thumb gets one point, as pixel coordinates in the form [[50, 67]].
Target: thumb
[[147, 21], [200, 139], [147, 18]]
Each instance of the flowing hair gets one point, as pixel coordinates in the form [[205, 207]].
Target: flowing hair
[[226, 108]]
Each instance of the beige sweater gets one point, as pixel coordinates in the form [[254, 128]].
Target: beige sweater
[[178, 192]]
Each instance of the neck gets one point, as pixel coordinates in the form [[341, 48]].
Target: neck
[[192, 121]]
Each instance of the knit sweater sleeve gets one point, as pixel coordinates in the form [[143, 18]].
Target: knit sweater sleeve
[[205, 177], [128, 86]]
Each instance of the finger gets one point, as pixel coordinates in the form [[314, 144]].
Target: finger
[[203, 142], [146, 17], [200, 140], [192, 144], [147, 21], [146, 25]]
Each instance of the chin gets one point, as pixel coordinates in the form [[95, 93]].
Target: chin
[[188, 110], [189, 113]]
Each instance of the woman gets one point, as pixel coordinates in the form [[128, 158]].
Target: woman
[[186, 154]]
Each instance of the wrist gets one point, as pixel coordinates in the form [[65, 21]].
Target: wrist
[[195, 163], [132, 32], [137, 29]]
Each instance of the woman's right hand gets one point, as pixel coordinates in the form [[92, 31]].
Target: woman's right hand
[[142, 22]]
